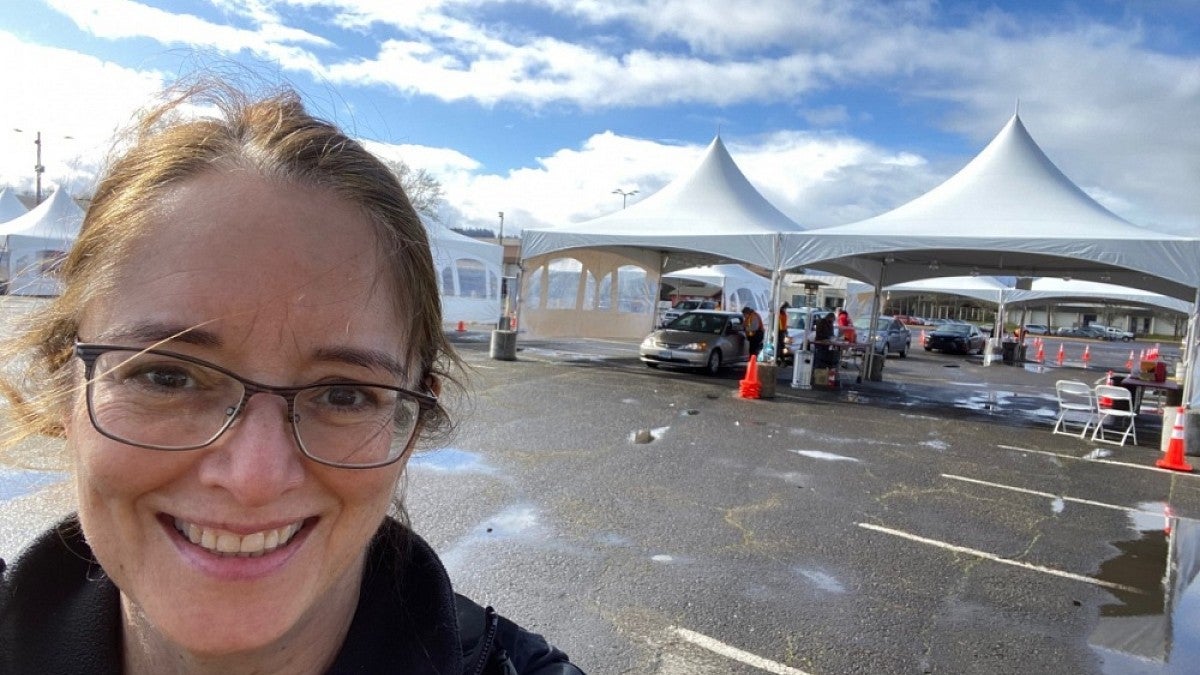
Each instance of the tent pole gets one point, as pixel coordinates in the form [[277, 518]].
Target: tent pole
[[1189, 353], [869, 361]]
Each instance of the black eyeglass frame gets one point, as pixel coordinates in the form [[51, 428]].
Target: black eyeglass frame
[[89, 352]]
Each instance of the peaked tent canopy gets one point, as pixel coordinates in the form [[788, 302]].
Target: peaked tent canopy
[[1009, 212], [36, 242], [10, 207], [600, 278], [1052, 288], [711, 216]]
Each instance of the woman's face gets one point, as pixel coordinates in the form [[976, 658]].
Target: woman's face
[[281, 285]]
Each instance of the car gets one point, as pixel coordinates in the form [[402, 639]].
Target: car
[[797, 321], [706, 339], [1036, 329], [891, 336], [1092, 332], [1114, 333], [682, 306], [963, 338]]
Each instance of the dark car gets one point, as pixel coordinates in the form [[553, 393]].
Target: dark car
[[706, 339], [1090, 332], [962, 338]]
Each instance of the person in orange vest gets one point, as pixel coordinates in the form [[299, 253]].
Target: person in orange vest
[[753, 325], [781, 338], [845, 327]]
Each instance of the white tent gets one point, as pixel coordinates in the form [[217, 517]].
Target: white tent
[[600, 277], [469, 272], [10, 206], [738, 286], [36, 242], [986, 289], [1053, 288], [1009, 212]]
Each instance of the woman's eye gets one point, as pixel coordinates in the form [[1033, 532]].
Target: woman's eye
[[162, 377]]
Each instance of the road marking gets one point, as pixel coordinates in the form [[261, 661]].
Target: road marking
[[731, 652], [1049, 495], [1095, 459], [995, 558]]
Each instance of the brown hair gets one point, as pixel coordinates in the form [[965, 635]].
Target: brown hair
[[272, 135]]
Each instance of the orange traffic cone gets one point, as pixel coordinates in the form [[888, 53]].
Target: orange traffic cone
[[1061, 354], [1129, 362], [1174, 459], [1041, 354], [1087, 356], [750, 387], [462, 327], [513, 323], [922, 336]]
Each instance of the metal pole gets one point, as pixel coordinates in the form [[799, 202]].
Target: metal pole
[[38, 169]]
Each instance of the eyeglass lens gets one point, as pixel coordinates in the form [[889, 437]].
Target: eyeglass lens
[[159, 401]]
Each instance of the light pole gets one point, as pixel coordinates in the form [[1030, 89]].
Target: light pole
[[500, 237], [38, 169], [624, 195]]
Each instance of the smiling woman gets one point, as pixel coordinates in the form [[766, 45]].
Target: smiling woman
[[247, 350]]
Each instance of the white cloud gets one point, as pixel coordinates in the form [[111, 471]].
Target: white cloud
[[66, 94]]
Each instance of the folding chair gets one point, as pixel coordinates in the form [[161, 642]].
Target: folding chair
[[1119, 406], [1075, 406]]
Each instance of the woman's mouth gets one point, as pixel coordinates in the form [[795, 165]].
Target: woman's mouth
[[229, 544]]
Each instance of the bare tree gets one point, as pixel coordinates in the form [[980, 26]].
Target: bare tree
[[423, 190]]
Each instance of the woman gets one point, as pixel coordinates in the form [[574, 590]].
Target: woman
[[220, 530]]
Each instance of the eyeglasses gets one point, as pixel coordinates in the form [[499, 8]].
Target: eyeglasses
[[156, 399]]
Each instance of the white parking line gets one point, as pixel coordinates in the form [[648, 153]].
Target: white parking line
[[1049, 495], [731, 652], [995, 558], [1095, 459]]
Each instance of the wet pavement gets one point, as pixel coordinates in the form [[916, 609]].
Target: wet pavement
[[650, 521]]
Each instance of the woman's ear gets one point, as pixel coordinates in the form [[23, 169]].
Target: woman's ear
[[433, 384]]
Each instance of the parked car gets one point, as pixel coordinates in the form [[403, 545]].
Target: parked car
[[891, 336], [1092, 332], [1036, 329], [706, 339], [963, 338], [1114, 333], [682, 306], [797, 318]]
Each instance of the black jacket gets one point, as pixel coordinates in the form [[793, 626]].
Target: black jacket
[[59, 613]]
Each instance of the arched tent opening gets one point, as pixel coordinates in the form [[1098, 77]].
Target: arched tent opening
[[711, 216], [468, 272]]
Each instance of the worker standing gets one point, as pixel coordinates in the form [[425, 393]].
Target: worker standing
[[752, 323]]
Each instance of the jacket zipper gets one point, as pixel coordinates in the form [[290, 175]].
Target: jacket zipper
[[489, 639]]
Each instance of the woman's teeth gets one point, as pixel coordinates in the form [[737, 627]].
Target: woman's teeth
[[223, 542]]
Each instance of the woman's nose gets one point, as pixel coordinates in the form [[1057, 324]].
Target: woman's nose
[[257, 458]]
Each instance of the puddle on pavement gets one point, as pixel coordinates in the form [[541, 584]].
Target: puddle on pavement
[[20, 482], [821, 454], [1156, 627], [451, 460]]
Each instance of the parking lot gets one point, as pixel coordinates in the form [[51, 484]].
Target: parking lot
[[929, 523]]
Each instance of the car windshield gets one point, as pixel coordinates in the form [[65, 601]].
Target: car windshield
[[699, 323], [796, 318], [955, 328]]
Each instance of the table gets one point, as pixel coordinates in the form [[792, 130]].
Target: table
[[1139, 387]]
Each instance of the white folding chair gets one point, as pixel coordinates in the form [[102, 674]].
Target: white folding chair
[[1115, 402], [1075, 406]]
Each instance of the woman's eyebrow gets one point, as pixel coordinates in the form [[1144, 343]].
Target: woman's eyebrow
[[158, 334], [365, 358]]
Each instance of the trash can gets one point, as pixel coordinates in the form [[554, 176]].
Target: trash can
[[874, 365], [1009, 352]]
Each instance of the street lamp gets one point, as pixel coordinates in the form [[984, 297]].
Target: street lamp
[[38, 169], [500, 238], [624, 195]]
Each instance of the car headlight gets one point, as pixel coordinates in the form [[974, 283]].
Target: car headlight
[[695, 347], [649, 341]]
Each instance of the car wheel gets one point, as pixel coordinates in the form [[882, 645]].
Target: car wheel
[[929, 349], [904, 352], [651, 364], [713, 366], [1125, 339]]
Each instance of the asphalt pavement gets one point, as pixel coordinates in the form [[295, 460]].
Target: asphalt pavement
[[928, 523]]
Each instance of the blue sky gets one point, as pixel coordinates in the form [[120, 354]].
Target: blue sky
[[835, 109]]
